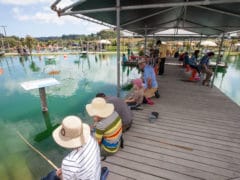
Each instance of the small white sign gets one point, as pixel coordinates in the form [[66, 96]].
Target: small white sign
[[36, 84]]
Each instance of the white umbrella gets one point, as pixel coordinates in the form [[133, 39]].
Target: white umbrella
[[104, 41], [208, 43], [179, 43]]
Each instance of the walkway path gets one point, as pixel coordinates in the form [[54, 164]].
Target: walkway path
[[195, 137]]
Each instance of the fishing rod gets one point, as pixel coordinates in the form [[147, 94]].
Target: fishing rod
[[37, 151]]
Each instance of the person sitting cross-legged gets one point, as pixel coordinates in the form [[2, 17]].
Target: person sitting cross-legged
[[108, 126]]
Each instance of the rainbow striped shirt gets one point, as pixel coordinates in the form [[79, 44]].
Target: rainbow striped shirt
[[109, 132]]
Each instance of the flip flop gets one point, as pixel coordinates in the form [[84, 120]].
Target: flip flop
[[104, 173]]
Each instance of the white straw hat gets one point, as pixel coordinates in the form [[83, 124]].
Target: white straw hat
[[100, 108], [72, 133]]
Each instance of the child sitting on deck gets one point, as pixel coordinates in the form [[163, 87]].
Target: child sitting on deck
[[135, 98]]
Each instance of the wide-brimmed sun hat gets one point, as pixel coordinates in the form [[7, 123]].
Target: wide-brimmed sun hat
[[141, 61], [72, 133], [99, 107]]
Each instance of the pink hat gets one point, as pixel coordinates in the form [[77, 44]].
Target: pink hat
[[138, 82]]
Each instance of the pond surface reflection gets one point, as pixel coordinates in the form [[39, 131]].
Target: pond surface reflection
[[80, 77]]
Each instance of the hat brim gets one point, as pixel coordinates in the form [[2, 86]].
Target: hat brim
[[141, 62], [67, 142], [104, 112]]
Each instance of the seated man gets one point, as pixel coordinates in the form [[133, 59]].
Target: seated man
[[108, 125], [83, 162], [204, 64], [121, 108], [149, 78]]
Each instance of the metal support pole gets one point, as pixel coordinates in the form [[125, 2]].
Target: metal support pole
[[218, 57], [230, 48], [42, 94], [145, 41], [199, 45], [118, 46]]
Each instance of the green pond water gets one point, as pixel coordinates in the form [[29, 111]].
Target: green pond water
[[81, 78]]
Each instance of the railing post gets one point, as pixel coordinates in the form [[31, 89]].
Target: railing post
[[42, 94], [118, 46], [219, 51]]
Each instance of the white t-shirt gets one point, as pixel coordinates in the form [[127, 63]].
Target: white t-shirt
[[83, 163]]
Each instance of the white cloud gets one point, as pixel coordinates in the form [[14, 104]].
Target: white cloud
[[31, 2], [25, 2], [44, 16]]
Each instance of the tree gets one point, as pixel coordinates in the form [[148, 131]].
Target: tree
[[29, 43], [107, 34]]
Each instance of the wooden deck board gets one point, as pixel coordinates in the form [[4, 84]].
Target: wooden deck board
[[195, 137]]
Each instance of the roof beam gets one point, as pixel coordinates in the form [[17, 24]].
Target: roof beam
[[204, 25], [150, 6], [177, 4], [93, 21], [72, 5], [159, 26], [148, 16], [88, 11], [219, 11]]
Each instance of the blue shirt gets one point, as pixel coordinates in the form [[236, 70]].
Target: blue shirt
[[186, 59], [149, 73], [124, 59], [204, 60], [193, 60]]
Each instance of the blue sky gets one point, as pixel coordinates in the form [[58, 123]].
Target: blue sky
[[35, 18]]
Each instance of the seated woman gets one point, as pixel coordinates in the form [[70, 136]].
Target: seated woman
[[193, 61], [135, 98], [190, 65]]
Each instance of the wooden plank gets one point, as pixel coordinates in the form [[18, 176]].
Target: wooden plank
[[196, 152], [128, 173], [188, 140], [188, 134], [113, 176], [187, 128], [189, 160], [197, 119], [154, 159], [148, 169]]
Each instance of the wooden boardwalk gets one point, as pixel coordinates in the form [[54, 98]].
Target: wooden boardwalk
[[197, 135]]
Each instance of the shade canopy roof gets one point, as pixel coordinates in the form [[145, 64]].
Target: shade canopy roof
[[207, 17]]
